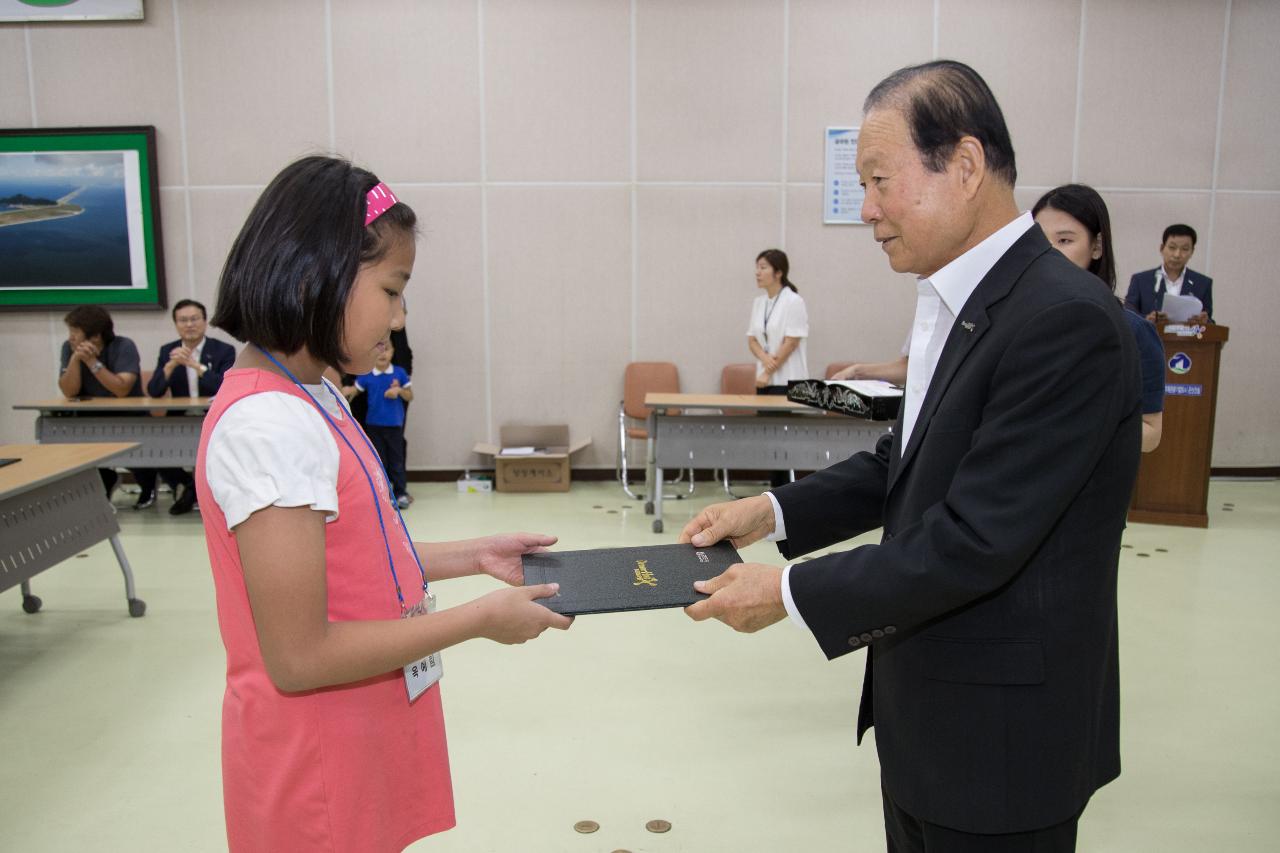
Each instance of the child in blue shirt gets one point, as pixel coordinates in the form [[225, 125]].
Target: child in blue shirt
[[388, 389]]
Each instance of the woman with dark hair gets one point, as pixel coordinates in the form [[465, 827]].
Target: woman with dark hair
[[96, 362], [778, 327], [777, 331], [1075, 219]]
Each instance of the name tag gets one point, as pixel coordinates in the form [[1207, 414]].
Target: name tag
[[420, 674]]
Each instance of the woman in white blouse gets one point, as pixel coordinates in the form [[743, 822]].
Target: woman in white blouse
[[777, 331], [779, 325]]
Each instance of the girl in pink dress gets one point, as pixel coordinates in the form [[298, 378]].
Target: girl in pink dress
[[332, 731]]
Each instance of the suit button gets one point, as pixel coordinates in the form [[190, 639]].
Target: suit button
[[855, 642], [890, 629], [888, 537], [877, 633], [866, 638]]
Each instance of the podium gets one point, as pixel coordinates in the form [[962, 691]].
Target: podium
[[1173, 480]]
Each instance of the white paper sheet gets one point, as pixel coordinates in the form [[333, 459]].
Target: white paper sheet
[[1180, 309]]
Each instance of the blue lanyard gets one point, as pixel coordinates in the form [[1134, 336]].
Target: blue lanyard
[[377, 504], [769, 305]]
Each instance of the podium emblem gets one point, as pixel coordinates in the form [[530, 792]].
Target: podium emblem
[[1180, 363]]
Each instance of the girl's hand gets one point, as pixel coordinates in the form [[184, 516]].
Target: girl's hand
[[511, 616], [499, 556]]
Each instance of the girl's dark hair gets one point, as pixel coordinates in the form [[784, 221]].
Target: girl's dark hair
[[92, 320], [1083, 204], [290, 271], [777, 259]]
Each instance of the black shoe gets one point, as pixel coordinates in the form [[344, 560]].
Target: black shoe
[[145, 500], [185, 502]]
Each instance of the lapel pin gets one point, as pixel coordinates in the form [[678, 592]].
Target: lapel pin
[[968, 327]]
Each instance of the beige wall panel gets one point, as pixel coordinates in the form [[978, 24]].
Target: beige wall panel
[[173, 230], [559, 307], [15, 92], [709, 90], [1138, 220], [1033, 75], [31, 343], [1150, 104], [112, 74], [698, 247], [406, 83], [216, 218], [256, 95], [838, 52], [557, 90], [445, 325], [859, 309], [1246, 300], [1250, 119]]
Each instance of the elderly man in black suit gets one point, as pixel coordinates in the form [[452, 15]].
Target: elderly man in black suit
[[192, 366], [988, 609]]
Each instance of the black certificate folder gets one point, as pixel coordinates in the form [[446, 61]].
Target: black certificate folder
[[608, 580]]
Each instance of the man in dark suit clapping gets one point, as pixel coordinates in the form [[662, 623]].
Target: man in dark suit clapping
[[192, 366], [988, 610]]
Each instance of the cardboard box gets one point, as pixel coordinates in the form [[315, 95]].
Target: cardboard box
[[546, 469]]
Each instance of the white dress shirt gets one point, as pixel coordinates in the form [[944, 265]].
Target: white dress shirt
[[939, 299], [193, 375], [1171, 285]]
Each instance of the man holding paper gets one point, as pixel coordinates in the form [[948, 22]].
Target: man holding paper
[[1164, 294], [988, 609]]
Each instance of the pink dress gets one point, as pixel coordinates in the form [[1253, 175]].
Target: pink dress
[[354, 767]]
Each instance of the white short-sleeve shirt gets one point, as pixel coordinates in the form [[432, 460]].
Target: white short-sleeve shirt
[[275, 449], [788, 318]]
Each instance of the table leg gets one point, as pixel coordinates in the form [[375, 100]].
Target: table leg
[[657, 498], [652, 485], [137, 606]]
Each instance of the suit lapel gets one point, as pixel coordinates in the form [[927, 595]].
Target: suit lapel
[[971, 324]]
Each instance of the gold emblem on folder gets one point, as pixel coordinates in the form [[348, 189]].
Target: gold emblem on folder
[[644, 577]]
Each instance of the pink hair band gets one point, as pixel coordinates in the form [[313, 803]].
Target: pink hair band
[[377, 202]]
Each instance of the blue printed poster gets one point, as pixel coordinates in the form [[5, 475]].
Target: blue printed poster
[[842, 198]]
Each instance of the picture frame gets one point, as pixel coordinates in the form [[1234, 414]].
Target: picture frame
[[80, 218], [29, 11]]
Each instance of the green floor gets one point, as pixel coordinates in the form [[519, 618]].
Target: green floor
[[109, 725]]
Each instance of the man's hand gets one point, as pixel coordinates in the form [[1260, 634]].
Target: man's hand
[[499, 556], [179, 356], [747, 598], [853, 371], [742, 522], [86, 352], [1158, 318]]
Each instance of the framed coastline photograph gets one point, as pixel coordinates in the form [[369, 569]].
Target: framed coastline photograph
[[70, 10], [80, 218]]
